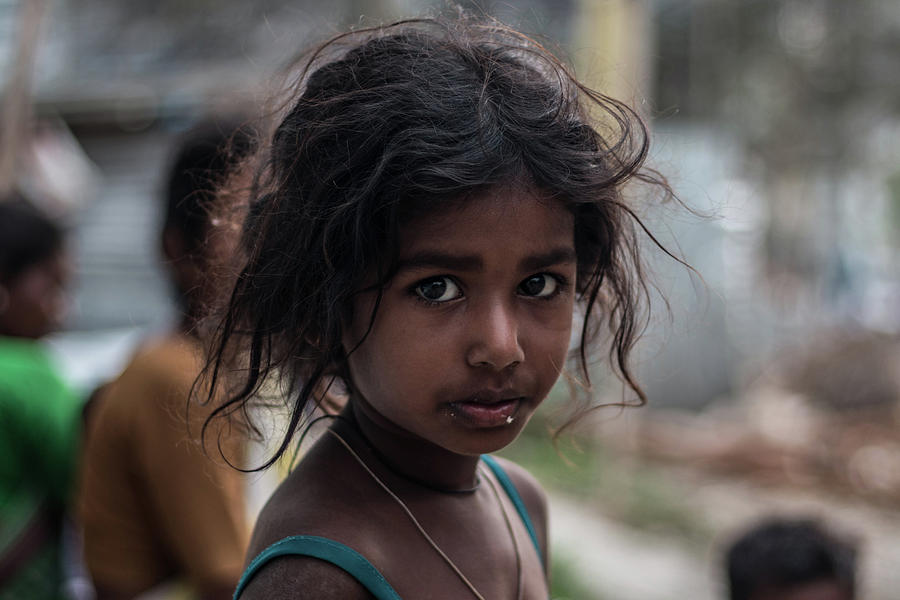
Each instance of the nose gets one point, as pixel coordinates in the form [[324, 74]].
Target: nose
[[494, 338]]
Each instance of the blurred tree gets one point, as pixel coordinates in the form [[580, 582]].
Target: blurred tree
[[805, 86]]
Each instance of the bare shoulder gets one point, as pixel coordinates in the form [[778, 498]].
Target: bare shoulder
[[298, 508], [289, 511], [533, 495], [306, 503], [300, 577]]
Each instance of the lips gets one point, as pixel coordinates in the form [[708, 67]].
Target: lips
[[487, 409]]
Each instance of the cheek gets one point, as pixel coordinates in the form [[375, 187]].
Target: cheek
[[555, 342], [356, 334], [405, 355], [553, 328], [369, 350], [554, 345]]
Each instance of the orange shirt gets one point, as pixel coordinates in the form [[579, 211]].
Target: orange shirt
[[154, 507]]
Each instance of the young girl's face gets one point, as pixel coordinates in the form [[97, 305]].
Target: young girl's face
[[473, 330]]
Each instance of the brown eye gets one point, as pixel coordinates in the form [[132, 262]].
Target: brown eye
[[542, 285], [438, 289]]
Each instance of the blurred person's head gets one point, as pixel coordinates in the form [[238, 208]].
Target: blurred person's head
[[791, 559], [204, 157], [34, 270]]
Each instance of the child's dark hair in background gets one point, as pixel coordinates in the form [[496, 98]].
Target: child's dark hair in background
[[29, 241], [391, 123], [27, 237], [207, 154], [781, 557], [208, 150]]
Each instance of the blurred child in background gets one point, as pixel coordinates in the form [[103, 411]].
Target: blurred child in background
[[39, 414], [784, 559], [159, 514]]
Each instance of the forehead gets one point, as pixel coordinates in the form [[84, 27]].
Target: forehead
[[498, 220]]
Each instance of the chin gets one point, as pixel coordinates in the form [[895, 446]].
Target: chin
[[487, 441]]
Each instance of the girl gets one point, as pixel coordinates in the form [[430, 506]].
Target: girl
[[429, 212]]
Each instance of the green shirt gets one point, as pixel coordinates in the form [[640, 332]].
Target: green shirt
[[39, 425]]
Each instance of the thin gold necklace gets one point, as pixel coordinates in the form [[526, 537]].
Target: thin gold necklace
[[428, 538]]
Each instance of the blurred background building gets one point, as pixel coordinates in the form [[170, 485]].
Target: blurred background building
[[778, 121]]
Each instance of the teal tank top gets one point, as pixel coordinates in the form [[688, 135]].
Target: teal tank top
[[353, 562]]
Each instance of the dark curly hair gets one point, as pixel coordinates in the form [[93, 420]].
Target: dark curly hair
[[387, 124]]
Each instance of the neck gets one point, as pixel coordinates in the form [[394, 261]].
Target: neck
[[405, 456]]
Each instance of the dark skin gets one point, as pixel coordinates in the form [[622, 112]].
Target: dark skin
[[357, 512], [468, 340]]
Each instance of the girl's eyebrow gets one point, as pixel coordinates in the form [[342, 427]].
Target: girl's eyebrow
[[468, 262], [556, 256]]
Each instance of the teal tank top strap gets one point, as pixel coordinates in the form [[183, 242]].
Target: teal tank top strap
[[354, 563], [336, 553], [516, 499]]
